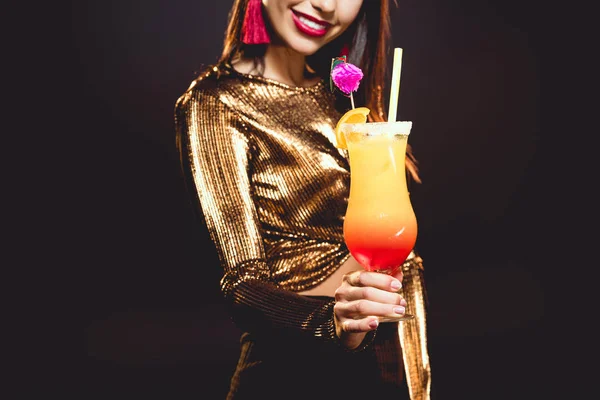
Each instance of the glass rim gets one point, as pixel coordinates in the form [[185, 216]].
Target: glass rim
[[377, 128]]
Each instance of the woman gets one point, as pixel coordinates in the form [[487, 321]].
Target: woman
[[255, 134]]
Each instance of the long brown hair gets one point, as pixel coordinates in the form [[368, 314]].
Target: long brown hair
[[368, 41]]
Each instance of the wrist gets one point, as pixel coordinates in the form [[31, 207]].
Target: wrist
[[353, 341]]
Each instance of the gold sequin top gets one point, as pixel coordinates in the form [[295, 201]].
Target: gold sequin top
[[260, 159]]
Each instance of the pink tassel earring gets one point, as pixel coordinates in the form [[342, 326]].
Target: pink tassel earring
[[254, 30]]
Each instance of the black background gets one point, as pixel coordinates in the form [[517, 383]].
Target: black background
[[475, 83]]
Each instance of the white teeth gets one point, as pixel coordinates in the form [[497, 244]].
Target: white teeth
[[312, 24]]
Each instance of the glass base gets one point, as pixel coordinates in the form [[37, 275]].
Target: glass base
[[404, 317]]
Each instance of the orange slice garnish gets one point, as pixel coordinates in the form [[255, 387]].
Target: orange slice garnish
[[355, 116]]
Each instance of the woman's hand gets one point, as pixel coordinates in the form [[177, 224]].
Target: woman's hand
[[363, 297]]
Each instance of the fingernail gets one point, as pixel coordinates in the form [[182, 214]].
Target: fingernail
[[403, 302], [399, 310], [374, 324], [396, 285]]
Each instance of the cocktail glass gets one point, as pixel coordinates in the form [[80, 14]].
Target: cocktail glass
[[380, 226]]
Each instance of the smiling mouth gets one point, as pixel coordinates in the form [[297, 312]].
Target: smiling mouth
[[310, 25]]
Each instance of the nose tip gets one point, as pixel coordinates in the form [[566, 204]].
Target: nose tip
[[324, 6]]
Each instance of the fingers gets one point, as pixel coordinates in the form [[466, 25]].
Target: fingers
[[353, 293], [374, 279], [361, 309], [359, 325], [364, 297]]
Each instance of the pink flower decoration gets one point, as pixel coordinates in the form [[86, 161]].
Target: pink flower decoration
[[346, 77]]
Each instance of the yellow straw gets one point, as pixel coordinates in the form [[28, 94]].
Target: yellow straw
[[395, 89]]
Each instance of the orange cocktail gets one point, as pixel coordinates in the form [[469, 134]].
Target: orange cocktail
[[380, 227]]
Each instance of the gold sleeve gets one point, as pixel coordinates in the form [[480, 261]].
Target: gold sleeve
[[413, 334], [217, 151]]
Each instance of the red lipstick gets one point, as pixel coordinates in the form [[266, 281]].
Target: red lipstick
[[310, 26]]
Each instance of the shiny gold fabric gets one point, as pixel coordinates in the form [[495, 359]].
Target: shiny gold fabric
[[413, 334], [273, 188]]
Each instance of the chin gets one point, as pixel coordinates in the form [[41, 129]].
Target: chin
[[306, 48]]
